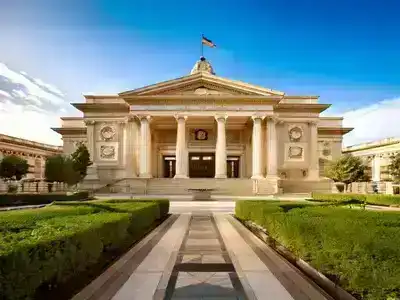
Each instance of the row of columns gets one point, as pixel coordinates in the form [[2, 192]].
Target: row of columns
[[144, 158]]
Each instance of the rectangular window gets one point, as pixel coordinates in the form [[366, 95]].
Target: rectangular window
[[195, 158]]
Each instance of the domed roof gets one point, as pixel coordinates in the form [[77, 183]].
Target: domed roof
[[202, 65]]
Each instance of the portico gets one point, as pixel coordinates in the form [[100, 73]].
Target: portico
[[205, 126]]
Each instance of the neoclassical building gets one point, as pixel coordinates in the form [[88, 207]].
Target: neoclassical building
[[377, 156], [205, 131], [35, 154]]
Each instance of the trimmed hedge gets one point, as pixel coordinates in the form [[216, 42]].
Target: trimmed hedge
[[53, 245], [357, 249], [36, 199], [376, 199]]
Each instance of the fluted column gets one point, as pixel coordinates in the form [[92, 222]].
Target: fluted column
[[181, 150], [220, 149], [272, 155], [256, 147], [92, 169], [145, 147], [313, 172]]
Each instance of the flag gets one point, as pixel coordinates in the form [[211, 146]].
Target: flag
[[207, 42]]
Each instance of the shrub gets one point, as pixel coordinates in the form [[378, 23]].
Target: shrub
[[380, 199], [54, 244], [346, 169], [339, 198], [377, 199], [163, 204], [36, 199], [357, 249]]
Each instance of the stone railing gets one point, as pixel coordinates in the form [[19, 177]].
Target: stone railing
[[384, 187], [34, 186]]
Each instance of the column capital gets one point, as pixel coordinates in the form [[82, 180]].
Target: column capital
[[221, 117], [312, 123], [258, 117], [273, 119], [179, 117], [131, 118], [144, 117], [89, 122]]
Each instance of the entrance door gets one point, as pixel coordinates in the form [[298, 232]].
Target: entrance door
[[201, 165], [169, 164], [232, 167]]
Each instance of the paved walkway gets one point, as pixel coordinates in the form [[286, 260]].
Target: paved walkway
[[201, 255]]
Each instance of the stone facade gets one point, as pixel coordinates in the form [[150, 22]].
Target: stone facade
[[35, 153], [248, 132], [376, 156]]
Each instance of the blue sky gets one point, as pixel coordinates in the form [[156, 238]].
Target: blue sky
[[345, 51]]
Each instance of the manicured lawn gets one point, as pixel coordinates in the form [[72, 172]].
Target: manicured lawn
[[358, 249], [59, 243]]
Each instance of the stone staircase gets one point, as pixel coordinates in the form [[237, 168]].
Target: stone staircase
[[168, 186]]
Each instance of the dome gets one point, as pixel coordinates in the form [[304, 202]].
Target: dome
[[202, 65]]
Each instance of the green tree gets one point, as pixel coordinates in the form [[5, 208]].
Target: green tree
[[13, 168], [346, 169], [70, 175], [81, 160], [394, 167], [53, 171]]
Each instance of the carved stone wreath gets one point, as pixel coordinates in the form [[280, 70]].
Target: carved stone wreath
[[295, 134], [326, 150], [107, 152], [295, 152], [107, 133]]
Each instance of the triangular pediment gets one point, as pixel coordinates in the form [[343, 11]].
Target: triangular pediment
[[201, 84]]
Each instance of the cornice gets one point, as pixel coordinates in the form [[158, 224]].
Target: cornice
[[255, 99], [70, 130], [334, 130], [331, 118], [27, 143], [301, 107], [201, 79], [101, 107]]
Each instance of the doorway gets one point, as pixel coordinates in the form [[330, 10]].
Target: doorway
[[232, 167], [201, 165], [169, 166]]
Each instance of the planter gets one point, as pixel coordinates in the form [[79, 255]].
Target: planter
[[340, 186]]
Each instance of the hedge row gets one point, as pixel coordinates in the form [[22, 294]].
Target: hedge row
[[55, 244], [36, 199], [357, 249], [377, 199]]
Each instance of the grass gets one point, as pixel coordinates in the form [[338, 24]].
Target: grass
[[357, 249]]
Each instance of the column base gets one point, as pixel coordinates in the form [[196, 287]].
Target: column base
[[177, 176], [257, 177], [146, 176], [220, 176]]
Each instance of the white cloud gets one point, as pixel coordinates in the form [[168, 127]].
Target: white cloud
[[29, 107], [374, 122]]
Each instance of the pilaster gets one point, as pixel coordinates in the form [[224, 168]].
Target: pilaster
[[272, 155], [92, 169], [313, 173]]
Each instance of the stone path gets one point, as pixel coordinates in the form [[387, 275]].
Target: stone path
[[201, 255]]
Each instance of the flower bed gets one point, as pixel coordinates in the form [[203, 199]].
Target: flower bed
[[357, 249], [40, 249]]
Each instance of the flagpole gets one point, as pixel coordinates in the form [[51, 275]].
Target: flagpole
[[202, 46]]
